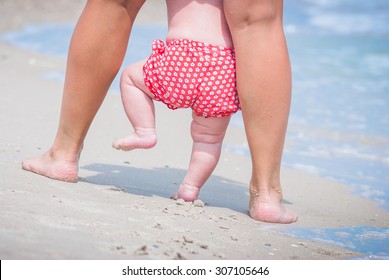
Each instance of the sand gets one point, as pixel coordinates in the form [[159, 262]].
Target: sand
[[120, 208]]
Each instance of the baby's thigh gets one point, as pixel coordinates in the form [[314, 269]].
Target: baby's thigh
[[133, 75]]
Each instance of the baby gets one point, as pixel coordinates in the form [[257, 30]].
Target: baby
[[194, 69]]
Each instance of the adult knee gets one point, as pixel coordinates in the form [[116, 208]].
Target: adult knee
[[241, 14], [120, 2], [128, 4]]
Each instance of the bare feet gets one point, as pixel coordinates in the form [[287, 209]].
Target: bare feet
[[140, 139], [269, 208], [50, 166], [187, 193]]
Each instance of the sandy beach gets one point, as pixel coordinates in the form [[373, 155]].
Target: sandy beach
[[120, 208]]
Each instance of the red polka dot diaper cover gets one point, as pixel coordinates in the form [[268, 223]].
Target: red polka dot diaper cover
[[186, 73]]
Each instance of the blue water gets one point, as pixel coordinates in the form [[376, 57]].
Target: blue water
[[339, 122], [370, 242]]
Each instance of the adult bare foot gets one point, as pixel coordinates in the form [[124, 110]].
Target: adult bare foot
[[268, 207], [140, 139], [50, 166]]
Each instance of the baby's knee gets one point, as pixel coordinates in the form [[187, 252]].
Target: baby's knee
[[209, 130], [206, 136]]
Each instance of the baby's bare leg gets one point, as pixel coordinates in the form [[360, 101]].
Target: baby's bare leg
[[207, 135], [139, 108]]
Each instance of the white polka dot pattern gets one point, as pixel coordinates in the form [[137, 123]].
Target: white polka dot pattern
[[186, 73]]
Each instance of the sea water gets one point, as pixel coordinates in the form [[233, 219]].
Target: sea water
[[340, 109], [339, 120]]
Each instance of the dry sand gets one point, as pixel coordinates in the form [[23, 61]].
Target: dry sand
[[120, 209]]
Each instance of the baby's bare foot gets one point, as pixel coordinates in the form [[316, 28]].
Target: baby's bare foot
[[187, 192], [270, 209], [140, 139], [51, 167]]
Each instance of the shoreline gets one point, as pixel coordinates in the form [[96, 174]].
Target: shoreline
[[120, 209]]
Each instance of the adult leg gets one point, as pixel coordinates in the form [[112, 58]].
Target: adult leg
[[264, 86], [207, 135], [139, 108], [96, 52]]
